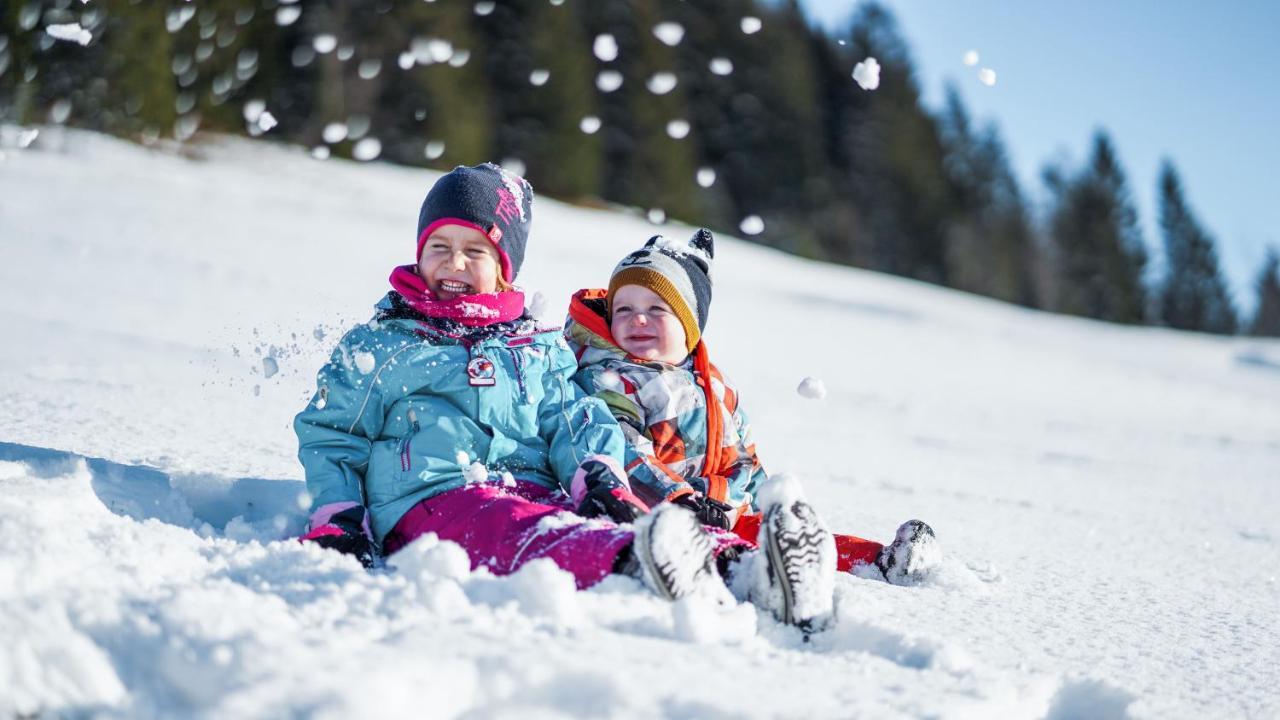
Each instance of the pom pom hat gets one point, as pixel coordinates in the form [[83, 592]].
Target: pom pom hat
[[678, 273], [487, 198]]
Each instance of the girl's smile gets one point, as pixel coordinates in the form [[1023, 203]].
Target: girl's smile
[[459, 260]]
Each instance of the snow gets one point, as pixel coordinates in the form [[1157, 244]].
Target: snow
[[370, 68], [812, 388], [367, 149], [1105, 495], [538, 78], [365, 362], [867, 74], [605, 47], [287, 15], [751, 25], [751, 225], [670, 33], [324, 43], [334, 133], [971, 58], [608, 80], [71, 32], [177, 18], [987, 77], [706, 177], [678, 129], [721, 66], [589, 124], [661, 83]]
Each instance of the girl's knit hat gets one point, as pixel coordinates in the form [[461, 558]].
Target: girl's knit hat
[[678, 273], [487, 198]]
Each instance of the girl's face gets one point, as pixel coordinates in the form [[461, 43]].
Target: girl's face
[[458, 260], [644, 325]]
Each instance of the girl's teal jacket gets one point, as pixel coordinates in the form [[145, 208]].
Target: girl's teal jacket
[[403, 410]]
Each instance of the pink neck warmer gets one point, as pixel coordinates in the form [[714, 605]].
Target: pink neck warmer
[[475, 310]]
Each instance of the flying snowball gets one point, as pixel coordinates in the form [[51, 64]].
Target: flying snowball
[[71, 32], [589, 124], [609, 80], [867, 74], [751, 225], [367, 149], [605, 47], [812, 388], [971, 58], [751, 25], [706, 177], [987, 77], [662, 83], [669, 33], [678, 129]]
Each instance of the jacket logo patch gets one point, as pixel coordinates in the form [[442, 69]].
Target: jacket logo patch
[[480, 372]]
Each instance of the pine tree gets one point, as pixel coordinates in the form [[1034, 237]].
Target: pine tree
[[990, 242], [1098, 247], [565, 161], [644, 165], [896, 156], [1193, 295], [1266, 318]]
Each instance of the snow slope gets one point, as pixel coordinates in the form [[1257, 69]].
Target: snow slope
[[1109, 498]]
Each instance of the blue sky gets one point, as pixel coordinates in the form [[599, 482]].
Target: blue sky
[[1196, 83]]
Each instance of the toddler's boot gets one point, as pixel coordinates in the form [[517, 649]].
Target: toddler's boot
[[912, 556], [796, 578]]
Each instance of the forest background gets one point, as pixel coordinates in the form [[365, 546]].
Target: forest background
[[738, 115]]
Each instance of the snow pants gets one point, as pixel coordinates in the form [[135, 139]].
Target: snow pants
[[502, 528], [850, 549]]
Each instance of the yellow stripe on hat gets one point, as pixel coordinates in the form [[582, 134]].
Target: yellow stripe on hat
[[660, 285]]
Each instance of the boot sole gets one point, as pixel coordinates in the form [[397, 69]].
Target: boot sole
[[804, 547], [664, 574]]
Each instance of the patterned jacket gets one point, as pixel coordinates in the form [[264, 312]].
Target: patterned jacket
[[406, 410], [685, 430]]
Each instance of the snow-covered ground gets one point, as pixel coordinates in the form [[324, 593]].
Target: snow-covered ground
[[1109, 498]]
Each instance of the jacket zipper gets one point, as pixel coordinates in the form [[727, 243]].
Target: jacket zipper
[[515, 360], [406, 444]]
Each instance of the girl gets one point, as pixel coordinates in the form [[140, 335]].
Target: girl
[[451, 412], [639, 350]]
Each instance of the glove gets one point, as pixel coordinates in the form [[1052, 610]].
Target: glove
[[346, 530], [617, 503], [601, 488], [709, 512]]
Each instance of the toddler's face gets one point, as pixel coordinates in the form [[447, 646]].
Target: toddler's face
[[644, 325], [459, 260]]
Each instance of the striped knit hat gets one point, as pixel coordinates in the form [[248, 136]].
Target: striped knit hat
[[678, 273]]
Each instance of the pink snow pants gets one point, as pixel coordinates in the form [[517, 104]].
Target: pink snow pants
[[502, 528]]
